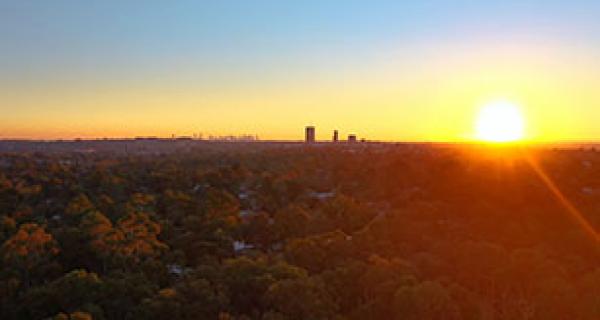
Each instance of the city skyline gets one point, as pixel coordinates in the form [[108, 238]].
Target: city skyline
[[391, 71]]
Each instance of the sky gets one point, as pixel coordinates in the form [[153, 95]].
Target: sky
[[384, 70]]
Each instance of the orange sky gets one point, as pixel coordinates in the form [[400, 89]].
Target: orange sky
[[382, 82]]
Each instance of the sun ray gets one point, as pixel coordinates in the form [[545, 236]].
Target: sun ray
[[562, 199]]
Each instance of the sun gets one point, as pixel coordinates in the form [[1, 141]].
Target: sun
[[500, 121]]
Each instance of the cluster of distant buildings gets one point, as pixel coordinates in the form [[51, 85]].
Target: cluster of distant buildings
[[200, 136], [310, 136]]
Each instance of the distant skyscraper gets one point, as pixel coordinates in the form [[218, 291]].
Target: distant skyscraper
[[335, 136], [310, 134], [351, 138]]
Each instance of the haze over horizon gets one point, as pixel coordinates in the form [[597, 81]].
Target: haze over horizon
[[384, 70]]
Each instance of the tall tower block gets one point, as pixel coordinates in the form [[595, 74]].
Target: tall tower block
[[309, 134]]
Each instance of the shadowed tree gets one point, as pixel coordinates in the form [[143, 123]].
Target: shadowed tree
[[105, 240], [426, 300], [301, 298], [140, 235], [29, 248]]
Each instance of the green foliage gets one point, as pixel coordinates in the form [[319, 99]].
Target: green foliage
[[77, 290], [300, 298], [273, 232], [426, 300]]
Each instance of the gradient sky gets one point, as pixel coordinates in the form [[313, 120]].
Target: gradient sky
[[390, 70]]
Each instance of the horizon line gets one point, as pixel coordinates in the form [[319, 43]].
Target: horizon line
[[258, 140]]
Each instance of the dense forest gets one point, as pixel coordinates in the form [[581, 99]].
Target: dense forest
[[300, 232]]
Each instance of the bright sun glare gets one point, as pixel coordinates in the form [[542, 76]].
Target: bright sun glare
[[500, 121]]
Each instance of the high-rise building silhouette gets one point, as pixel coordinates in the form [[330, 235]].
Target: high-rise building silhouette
[[351, 138], [310, 134], [335, 136]]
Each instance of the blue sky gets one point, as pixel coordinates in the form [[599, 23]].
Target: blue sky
[[41, 36]]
